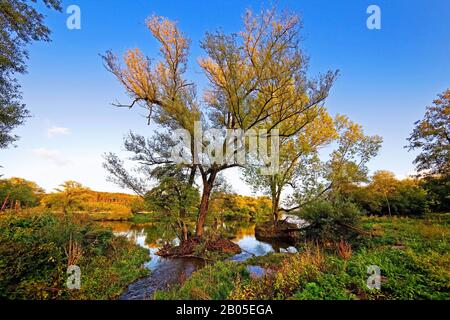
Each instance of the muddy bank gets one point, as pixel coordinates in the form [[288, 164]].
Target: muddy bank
[[196, 247]]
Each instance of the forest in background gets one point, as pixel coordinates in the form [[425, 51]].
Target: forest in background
[[383, 194]]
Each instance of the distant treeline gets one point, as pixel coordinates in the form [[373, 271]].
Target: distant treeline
[[229, 206], [387, 195], [383, 194], [18, 193]]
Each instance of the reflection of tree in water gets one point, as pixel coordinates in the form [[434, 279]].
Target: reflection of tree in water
[[278, 245], [236, 229], [244, 230], [116, 226], [157, 234]]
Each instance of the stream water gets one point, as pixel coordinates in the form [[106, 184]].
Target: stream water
[[166, 272]]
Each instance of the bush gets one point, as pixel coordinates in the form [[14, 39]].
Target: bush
[[294, 272], [34, 257], [17, 193], [409, 200], [438, 190], [330, 221]]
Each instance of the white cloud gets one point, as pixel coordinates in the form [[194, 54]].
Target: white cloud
[[54, 131], [51, 155]]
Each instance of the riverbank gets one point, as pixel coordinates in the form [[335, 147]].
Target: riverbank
[[119, 260], [413, 256], [168, 272], [36, 250]]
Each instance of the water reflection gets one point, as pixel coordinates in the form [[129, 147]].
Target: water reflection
[[166, 272]]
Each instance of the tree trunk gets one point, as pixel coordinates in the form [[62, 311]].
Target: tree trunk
[[203, 210], [185, 231], [388, 205], [204, 203], [192, 176], [276, 193], [5, 203], [275, 204]]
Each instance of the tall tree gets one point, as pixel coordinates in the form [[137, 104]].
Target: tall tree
[[432, 136], [296, 153], [20, 24], [257, 80], [346, 166]]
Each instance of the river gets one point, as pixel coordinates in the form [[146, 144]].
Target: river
[[166, 272]]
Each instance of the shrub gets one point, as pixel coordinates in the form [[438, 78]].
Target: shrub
[[293, 273], [34, 256], [17, 193], [330, 221], [410, 200], [438, 190], [386, 195]]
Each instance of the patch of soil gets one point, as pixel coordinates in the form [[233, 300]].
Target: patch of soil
[[280, 230], [197, 247]]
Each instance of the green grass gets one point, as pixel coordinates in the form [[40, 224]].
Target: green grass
[[269, 261], [412, 253], [212, 282]]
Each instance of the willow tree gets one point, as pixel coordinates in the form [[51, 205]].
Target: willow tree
[[302, 168], [256, 80], [297, 153], [345, 166]]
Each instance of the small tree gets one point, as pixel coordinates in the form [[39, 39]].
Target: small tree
[[296, 153], [69, 197], [383, 184], [175, 198]]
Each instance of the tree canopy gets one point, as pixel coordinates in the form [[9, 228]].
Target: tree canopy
[[20, 24], [18, 192], [256, 80], [432, 137]]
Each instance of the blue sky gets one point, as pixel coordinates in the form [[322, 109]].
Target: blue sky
[[387, 79]]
